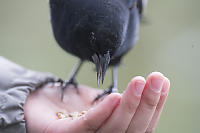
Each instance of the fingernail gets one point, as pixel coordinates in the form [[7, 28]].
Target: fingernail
[[139, 86], [156, 82], [166, 86]]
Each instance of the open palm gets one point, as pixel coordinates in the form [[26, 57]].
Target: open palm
[[137, 110]]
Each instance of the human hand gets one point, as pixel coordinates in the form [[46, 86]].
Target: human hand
[[137, 110]]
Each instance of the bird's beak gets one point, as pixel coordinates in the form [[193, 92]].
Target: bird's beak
[[101, 63]]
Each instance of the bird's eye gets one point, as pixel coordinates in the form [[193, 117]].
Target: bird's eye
[[132, 6]]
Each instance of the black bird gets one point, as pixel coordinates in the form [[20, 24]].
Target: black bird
[[100, 31]]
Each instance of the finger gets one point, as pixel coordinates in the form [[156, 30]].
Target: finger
[[148, 103], [96, 116], [159, 107], [93, 119], [121, 117]]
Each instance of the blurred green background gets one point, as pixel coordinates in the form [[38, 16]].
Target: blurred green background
[[169, 43]]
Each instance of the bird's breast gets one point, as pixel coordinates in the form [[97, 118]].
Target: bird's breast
[[91, 26]]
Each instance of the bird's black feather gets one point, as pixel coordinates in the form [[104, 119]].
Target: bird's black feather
[[100, 31]]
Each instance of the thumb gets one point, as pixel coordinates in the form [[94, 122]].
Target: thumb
[[93, 119], [96, 116]]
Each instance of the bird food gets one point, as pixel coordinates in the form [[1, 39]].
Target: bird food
[[72, 115]]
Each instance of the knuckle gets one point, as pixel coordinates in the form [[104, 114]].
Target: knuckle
[[150, 103], [132, 105]]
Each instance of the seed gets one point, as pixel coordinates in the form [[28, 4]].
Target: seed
[[60, 115], [72, 115]]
